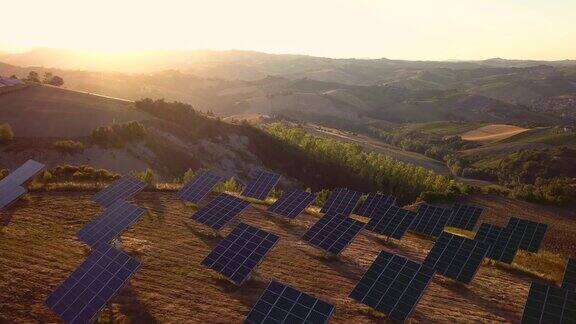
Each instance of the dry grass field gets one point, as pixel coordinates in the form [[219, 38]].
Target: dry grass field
[[492, 133], [38, 249]]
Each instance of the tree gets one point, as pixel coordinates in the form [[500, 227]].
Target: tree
[[48, 78], [57, 81], [33, 77], [6, 133], [14, 77]]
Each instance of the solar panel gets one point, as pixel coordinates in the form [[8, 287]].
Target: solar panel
[[333, 232], [220, 211], [375, 203], [24, 173], [292, 203], [240, 252], [569, 280], [393, 222], [261, 185], [86, 291], [284, 304], [547, 304], [341, 201], [431, 220], [465, 217], [456, 257], [8, 194], [503, 240], [199, 187], [111, 223], [393, 285], [122, 189], [532, 233]]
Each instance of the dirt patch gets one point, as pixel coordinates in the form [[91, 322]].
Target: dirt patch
[[492, 133]]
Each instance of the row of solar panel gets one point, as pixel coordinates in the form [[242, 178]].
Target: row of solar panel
[[9, 82], [11, 186]]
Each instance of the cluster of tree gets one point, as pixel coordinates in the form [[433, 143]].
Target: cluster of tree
[[49, 78], [117, 135], [68, 146], [146, 176], [403, 180], [77, 173], [6, 133]]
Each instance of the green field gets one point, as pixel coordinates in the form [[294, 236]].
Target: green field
[[445, 128]]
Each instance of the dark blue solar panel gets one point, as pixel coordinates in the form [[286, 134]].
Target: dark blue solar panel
[[532, 233], [456, 257], [122, 189], [220, 211], [111, 223], [22, 174], [392, 222], [86, 291], [393, 285], [284, 304], [240, 252], [503, 240], [547, 304], [431, 220], [199, 187], [375, 204], [341, 201], [333, 232], [465, 217], [9, 194], [569, 280], [292, 203], [261, 185]]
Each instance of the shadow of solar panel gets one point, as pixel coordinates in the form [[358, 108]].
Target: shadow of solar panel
[[456, 257], [547, 304], [375, 203], [9, 194], [220, 211], [333, 232], [261, 185], [431, 220], [110, 224], [569, 280], [393, 285], [503, 241], [24, 173], [532, 233], [392, 222], [465, 217], [283, 304], [292, 203], [341, 201], [86, 291], [122, 189], [240, 252], [199, 187]]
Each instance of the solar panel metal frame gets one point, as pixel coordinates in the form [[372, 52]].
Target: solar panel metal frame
[[456, 257], [283, 304], [375, 203], [532, 233], [548, 304], [237, 255], [431, 220], [341, 201], [121, 189], [9, 194], [202, 184], [465, 216], [292, 203], [393, 285], [220, 211], [81, 296], [569, 278], [110, 224], [261, 185], [23, 173], [333, 233], [393, 222], [503, 240]]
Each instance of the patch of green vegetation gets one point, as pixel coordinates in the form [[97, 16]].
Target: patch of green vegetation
[[445, 128], [117, 135], [68, 146], [554, 136]]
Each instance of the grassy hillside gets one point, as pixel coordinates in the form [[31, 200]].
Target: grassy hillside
[[445, 127]]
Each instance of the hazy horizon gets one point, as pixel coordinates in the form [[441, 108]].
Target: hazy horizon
[[411, 30]]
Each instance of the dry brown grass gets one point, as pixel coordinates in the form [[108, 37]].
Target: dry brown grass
[[492, 133], [38, 249]]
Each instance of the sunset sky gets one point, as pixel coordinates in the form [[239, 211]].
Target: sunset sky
[[409, 29]]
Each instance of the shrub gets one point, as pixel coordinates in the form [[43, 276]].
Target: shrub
[[6, 133], [321, 197], [3, 173], [118, 135], [68, 146], [230, 185], [146, 176], [77, 173]]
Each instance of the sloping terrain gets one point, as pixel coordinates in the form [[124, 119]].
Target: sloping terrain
[[38, 249], [492, 133]]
